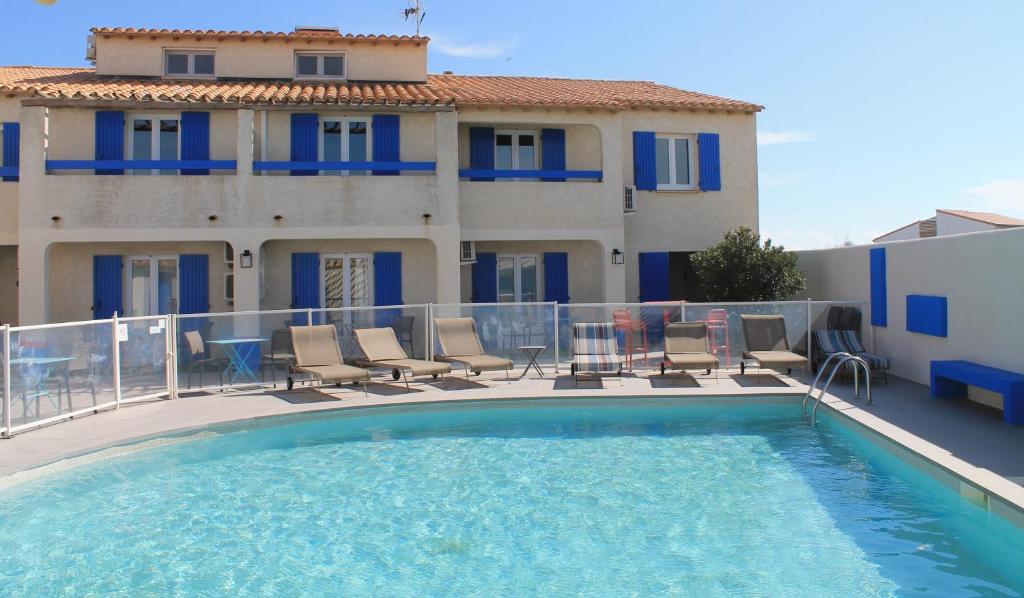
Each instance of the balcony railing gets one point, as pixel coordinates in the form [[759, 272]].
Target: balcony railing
[[8, 171], [477, 174], [112, 166], [377, 167]]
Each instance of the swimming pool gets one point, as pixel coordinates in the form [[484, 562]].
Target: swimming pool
[[606, 497]]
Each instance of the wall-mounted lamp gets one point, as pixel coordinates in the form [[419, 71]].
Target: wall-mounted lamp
[[245, 260], [618, 258]]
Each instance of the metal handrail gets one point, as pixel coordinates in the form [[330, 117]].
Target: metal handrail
[[859, 364]]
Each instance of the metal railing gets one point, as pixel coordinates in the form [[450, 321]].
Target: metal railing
[[55, 372]]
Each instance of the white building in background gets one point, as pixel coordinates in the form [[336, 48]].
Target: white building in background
[[951, 222], [195, 171]]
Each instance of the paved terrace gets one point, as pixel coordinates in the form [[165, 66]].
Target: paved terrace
[[959, 435]]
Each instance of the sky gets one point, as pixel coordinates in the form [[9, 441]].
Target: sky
[[876, 112]]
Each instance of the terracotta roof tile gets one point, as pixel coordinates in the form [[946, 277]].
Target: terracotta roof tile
[[78, 83], [301, 34]]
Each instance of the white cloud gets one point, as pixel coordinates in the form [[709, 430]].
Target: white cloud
[[1000, 194], [492, 49], [779, 137]]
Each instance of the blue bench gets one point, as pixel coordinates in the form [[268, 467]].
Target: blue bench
[[950, 379]]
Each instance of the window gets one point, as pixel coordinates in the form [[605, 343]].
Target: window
[[154, 137], [347, 282], [309, 65], [152, 287], [344, 140], [516, 150], [674, 159], [518, 277], [188, 63]]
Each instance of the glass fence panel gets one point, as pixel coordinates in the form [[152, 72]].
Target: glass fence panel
[[409, 323], [143, 358], [507, 329], [725, 326], [60, 370], [221, 350], [639, 329]]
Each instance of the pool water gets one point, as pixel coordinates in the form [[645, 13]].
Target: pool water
[[582, 497]]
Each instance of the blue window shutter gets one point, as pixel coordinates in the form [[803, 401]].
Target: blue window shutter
[[485, 278], [386, 141], [552, 151], [387, 285], [305, 144], [195, 139], [709, 163], [387, 278], [110, 138], [879, 294], [481, 150], [645, 167], [107, 284], [305, 280], [12, 140], [556, 277], [194, 283], [654, 276]]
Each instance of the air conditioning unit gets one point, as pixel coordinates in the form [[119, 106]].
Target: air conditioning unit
[[628, 203], [90, 48], [467, 252]]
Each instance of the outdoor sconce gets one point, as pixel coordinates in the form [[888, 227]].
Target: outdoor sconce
[[618, 258], [245, 259]]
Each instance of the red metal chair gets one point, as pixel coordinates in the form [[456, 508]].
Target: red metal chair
[[718, 333], [624, 321]]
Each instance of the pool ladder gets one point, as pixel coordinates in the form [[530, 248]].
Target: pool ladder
[[859, 365]]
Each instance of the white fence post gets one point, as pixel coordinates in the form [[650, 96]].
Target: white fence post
[[682, 311], [7, 380], [309, 316], [429, 331], [810, 351], [554, 306], [172, 358], [115, 358]]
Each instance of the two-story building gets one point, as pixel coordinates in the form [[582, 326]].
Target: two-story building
[[195, 171]]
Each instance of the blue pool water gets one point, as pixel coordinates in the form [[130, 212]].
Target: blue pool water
[[583, 498]]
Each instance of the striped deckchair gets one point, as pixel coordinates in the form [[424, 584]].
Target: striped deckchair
[[595, 351], [829, 342]]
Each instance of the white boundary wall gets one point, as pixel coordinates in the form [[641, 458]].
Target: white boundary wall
[[981, 275]]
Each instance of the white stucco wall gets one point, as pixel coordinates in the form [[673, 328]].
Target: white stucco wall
[[70, 272], [259, 59], [690, 220], [980, 274], [419, 264], [948, 224]]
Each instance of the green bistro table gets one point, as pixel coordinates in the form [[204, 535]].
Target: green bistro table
[[240, 352]]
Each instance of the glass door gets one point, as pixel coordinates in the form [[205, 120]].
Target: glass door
[[348, 282], [515, 150], [154, 138], [518, 278], [152, 285]]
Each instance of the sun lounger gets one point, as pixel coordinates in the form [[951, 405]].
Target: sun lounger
[[686, 348], [767, 345], [381, 348], [317, 353], [461, 344], [595, 351]]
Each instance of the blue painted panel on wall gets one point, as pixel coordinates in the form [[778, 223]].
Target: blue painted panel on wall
[[926, 314], [879, 299]]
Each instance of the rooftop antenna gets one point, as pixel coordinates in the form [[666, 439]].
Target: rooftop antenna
[[417, 13]]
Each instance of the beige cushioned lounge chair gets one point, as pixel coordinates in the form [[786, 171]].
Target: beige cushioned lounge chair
[[686, 347], [766, 342], [381, 348], [460, 343], [317, 353]]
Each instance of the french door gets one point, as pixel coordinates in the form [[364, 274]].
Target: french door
[[518, 277], [154, 138], [515, 150], [347, 282], [152, 285]]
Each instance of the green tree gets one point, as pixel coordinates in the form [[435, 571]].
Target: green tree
[[740, 268]]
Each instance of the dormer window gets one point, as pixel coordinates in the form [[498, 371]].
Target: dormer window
[[188, 63], [319, 65]]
